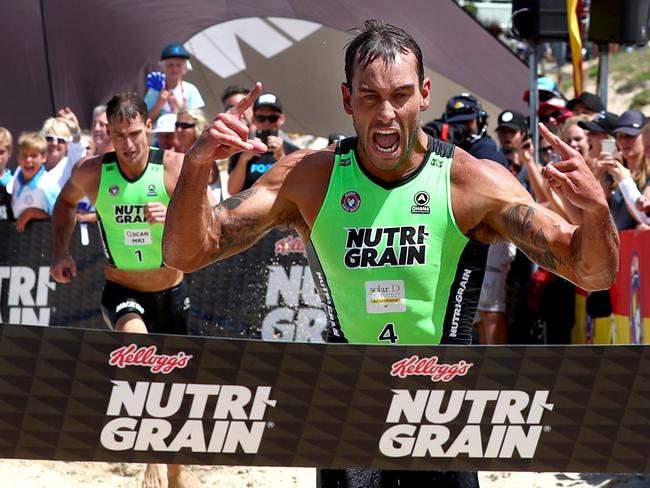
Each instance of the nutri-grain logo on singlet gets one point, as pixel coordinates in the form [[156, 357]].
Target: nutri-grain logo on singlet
[[376, 247], [351, 201]]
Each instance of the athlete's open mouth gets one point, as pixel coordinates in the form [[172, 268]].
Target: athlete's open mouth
[[386, 140]]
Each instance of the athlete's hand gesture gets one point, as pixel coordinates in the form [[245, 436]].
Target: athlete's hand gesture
[[571, 177], [227, 134]]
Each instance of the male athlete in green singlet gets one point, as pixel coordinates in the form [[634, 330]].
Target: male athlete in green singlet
[[393, 221], [130, 190]]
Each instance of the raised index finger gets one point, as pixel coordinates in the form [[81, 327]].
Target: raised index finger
[[563, 149], [246, 102]]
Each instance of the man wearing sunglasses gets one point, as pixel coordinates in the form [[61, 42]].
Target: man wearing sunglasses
[[268, 119]]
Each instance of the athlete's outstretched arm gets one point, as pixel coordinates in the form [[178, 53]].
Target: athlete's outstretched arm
[[196, 233], [63, 267], [586, 254]]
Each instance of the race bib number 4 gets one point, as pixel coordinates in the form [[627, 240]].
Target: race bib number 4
[[385, 296], [137, 237]]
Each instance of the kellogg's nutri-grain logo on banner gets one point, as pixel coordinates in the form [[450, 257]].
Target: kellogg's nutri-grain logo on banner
[[170, 417]]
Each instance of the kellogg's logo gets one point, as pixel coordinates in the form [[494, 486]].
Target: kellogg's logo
[[416, 366], [146, 356]]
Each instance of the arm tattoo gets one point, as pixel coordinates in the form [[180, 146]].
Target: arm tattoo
[[237, 231], [521, 230], [236, 200]]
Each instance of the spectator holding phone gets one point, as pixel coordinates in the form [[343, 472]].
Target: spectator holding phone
[[629, 170], [249, 166]]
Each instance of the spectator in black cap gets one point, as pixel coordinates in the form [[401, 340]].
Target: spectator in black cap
[[268, 118], [167, 92], [586, 103], [512, 130], [600, 127], [465, 110]]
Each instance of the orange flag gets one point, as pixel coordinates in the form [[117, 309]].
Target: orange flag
[[574, 12]]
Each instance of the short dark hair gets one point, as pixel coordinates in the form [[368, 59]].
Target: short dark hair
[[379, 40], [231, 90], [126, 105]]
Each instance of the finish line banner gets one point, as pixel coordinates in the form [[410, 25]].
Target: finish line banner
[[85, 395]]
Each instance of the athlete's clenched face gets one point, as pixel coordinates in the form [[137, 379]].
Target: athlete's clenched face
[[129, 139], [385, 101]]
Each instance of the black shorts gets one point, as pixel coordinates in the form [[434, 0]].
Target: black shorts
[[163, 312], [370, 478]]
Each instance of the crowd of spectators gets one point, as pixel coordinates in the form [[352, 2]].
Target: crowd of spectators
[[520, 303], [616, 148]]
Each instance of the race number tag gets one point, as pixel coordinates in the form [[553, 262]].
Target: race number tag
[[137, 237], [385, 296]]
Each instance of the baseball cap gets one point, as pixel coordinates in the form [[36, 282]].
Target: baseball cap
[[556, 108], [268, 100], [174, 50], [630, 122], [509, 119], [602, 122], [462, 108], [591, 101], [165, 123], [547, 88]]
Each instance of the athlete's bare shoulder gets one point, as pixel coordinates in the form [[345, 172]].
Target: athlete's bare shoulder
[[478, 188]]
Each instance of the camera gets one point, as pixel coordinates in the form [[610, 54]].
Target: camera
[[263, 135]]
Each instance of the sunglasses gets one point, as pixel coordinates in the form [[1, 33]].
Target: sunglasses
[[184, 125], [267, 118], [53, 138]]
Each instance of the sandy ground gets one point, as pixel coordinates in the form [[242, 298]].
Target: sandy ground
[[51, 474]]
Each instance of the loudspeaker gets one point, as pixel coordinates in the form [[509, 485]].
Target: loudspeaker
[[621, 21], [540, 20]]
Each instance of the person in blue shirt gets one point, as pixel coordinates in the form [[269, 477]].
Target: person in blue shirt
[[167, 92]]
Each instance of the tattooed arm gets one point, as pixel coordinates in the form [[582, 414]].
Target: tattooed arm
[[493, 205], [196, 232]]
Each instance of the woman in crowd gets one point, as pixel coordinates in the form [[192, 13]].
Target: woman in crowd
[[64, 147], [629, 141]]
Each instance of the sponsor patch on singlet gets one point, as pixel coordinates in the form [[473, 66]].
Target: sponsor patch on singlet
[[385, 296], [137, 237]]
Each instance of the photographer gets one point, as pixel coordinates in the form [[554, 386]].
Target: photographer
[[249, 166], [464, 124]]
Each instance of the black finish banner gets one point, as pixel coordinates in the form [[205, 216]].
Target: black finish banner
[[76, 394]]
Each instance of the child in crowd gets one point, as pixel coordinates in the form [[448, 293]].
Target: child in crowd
[[5, 175], [34, 189]]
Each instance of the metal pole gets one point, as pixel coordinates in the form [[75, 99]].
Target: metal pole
[[603, 72], [533, 99]]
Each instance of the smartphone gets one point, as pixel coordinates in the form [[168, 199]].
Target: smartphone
[[263, 135], [608, 146]]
